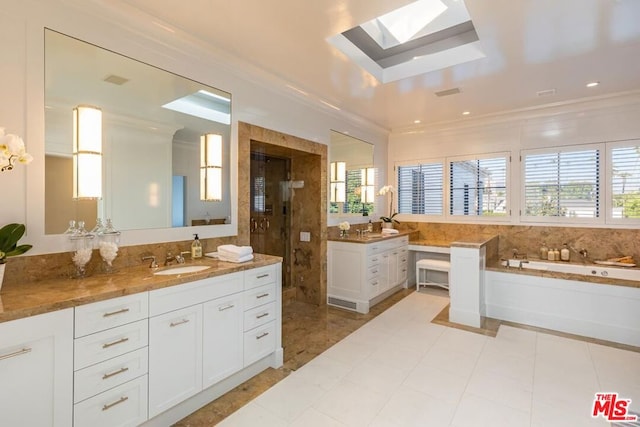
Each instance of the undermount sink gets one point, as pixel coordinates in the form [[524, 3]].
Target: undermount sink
[[182, 270]]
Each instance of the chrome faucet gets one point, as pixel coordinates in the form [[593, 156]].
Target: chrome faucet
[[584, 253], [153, 263], [180, 258]]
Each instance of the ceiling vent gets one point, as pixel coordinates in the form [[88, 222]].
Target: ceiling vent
[[548, 92], [448, 92], [116, 80]]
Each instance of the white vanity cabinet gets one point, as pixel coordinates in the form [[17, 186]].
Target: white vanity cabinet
[[111, 362], [362, 274], [36, 359], [176, 338]]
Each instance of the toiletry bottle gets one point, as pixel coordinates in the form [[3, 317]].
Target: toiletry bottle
[[196, 248], [544, 251], [370, 226], [565, 254], [550, 255], [556, 254]]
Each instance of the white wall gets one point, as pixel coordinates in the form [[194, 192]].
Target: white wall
[[258, 98], [581, 122]]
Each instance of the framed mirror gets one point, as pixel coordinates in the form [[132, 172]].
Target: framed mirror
[[351, 176], [155, 126]]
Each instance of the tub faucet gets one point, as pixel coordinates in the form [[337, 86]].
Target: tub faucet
[[584, 253]]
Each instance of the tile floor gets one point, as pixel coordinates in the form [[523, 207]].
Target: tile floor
[[399, 369]]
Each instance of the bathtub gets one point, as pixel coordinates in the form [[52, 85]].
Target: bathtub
[[624, 273]]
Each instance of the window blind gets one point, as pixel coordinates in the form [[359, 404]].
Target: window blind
[[420, 189], [478, 187], [625, 182], [562, 184]]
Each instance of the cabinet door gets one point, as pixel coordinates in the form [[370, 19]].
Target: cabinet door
[[36, 365], [384, 272], [222, 338], [175, 358]]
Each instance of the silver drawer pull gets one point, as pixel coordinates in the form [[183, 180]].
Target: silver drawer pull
[[260, 316], [374, 259], [181, 322], [113, 313], [374, 284], [120, 341], [113, 374], [262, 276], [15, 353], [226, 307], [117, 402], [263, 295], [262, 335], [374, 271]]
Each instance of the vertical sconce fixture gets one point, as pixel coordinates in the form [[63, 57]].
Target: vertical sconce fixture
[[366, 180], [87, 152], [338, 178], [366, 194], [211, 167]]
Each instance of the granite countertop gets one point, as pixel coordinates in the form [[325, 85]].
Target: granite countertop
[[474, 242], [29, 299], [497, 266], [376, 237]]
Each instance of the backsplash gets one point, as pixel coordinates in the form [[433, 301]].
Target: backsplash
[[601, 243], [28, 269]]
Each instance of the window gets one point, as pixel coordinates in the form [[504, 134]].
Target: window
[[478, 187], [562, 184], [420, 189], [354, 194], [625, 182]]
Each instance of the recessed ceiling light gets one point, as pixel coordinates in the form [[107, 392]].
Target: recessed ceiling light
[[593, 84], [466, 113], [417, 121]]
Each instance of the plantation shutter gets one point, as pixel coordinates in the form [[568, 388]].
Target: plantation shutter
[[625, 182], [420, 189], [562, 184], [478, 187]]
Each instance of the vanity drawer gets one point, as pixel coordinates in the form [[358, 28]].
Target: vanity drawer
[[373, 286], [259, 342], [403, 256], [110, 343], [259, 276], [259, 316], [108, 314], [374, 260], [122, 406], [373, 271], [259, 296], [103, 376]]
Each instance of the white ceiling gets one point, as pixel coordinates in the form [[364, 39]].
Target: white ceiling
[[531, 45]]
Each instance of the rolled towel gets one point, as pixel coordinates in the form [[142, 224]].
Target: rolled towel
[[244, 258], [235, 250], [389, 231]]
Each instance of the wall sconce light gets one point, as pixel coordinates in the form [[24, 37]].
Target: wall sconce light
[[87, 152], [211, 167], [338, 178], [366, 194], [367, 181]]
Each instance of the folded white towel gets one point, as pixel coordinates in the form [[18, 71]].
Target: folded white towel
[[244, 258], [389, 231], [235, 250]]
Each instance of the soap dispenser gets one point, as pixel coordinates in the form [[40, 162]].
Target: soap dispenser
[[370, 227], [565, 254], [196, 248], [544, 251]]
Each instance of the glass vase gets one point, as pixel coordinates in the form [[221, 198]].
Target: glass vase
[[108, 241], [81, 254]]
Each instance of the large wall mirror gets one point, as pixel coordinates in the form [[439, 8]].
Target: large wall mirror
[[155, 126], [351, 176]]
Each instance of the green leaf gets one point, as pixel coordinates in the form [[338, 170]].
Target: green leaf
[[9, 236]]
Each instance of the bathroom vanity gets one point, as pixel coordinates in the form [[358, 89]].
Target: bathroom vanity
[[163, 348], [363, 272]]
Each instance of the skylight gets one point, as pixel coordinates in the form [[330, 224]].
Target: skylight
[[205, 105], [401, 25], [421, 37]]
